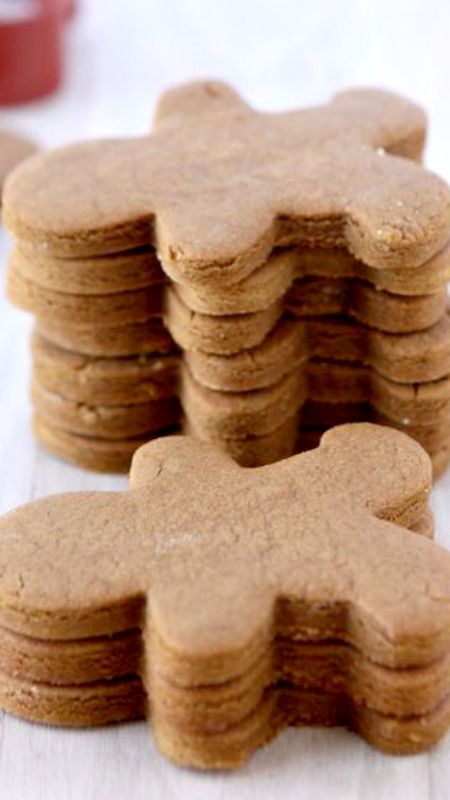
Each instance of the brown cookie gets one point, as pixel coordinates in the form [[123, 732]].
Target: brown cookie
[[341, 382], [99, 703], [324, 666], [146, 337], [231, 344], [105, 421], [321, 416], [314, 297], [124, 699], [316, 215], [98, 309], [215, 416], [73, 661], [339, 263], [253, 450], [285, 638], [407, 358], [238, 415], [119, 272], [103, 381], [328, 176], [115, 455], [284, 350], [213, 334], [309, 438]]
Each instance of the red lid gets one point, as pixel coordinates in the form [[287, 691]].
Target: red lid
[[31, 46]]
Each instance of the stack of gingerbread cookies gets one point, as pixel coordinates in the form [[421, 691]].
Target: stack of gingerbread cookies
[[299, 261], [323, 608], [338, 349], [105, 369]]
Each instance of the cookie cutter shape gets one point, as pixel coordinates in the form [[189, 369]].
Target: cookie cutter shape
[[218, 185], [192, 526], [407, 358]]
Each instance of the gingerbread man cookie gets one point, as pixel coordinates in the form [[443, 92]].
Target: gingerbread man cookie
[[215, 211], [228, 603]]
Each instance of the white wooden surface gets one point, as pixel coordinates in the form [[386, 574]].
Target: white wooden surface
[[121, 54]]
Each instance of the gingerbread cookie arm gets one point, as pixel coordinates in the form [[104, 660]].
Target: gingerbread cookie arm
[[333, 492], [389, 211], [385, 120], [404, 221], [67, 566], [399, 594], [382, 571], [221, 240], [174, 457], [222, 182], [375, 468], [226, 621], [39, 196]]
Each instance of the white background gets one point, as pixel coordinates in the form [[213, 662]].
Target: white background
[[279, 53]]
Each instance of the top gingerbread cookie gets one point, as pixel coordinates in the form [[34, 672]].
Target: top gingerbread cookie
[[218, 185]]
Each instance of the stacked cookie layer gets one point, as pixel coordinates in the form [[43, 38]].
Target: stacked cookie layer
[[105, 369], [116, 626], [311, 339], [299, 260], [259, 382]]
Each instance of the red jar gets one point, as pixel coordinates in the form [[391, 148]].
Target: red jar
[[31, 48]]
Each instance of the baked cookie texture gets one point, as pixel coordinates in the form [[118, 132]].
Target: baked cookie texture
[[293, 265], [208, 598]]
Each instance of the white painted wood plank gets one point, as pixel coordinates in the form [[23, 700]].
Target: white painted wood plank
[[279, 53]]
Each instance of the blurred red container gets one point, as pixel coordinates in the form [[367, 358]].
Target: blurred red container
[[31, 48]]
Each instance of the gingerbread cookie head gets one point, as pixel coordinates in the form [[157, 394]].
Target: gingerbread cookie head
[[218, 185], [216, 565]]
